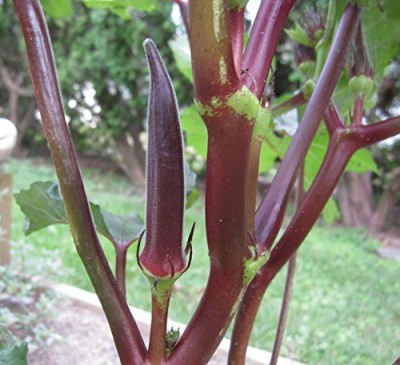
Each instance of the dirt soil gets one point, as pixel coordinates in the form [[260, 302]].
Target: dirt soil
[[84, 338], [390, 244], [81, 336]]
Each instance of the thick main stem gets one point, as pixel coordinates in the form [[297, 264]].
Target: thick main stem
[[236, 21], [253, 184], [128, 340], [228, 156], [229, 136], [214, 71]]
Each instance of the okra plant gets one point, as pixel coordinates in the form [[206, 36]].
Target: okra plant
[[247, 244]]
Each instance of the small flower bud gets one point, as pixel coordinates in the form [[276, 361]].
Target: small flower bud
[[361, 86], [308, 88], [314, 25], [304, 59]]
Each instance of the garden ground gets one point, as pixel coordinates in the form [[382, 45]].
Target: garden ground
[[345, 301]]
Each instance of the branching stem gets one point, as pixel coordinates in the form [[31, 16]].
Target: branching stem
[[294, 102], [287, 294], [263, 40], [271, 210]]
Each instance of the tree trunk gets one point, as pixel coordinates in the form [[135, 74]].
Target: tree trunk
[[25, 121], [127, 160], [20, 116], [5, 217], [386, 202], [135, 132], [354, 196]]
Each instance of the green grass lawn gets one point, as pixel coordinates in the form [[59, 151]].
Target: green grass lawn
[[345, 307]]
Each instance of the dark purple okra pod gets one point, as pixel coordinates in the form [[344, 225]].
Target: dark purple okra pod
[[163, 256]]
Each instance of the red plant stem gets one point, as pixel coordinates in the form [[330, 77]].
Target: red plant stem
[[289, 281], [236, 21], [229, 139], [227, 171], [212, 58], [263, 40], [158, 329], [294, 102], [184, 10], [252, 184], [373, 133], [284, 310], [128, 340], [358, 112], [340, 150], [271, 210], [120, 267], [342, 146], [332, 119], [335, 161]]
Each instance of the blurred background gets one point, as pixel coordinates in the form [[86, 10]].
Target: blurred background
[[345, 300]]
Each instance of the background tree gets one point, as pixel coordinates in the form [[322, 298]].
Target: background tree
[[245, 249], [17, 101], [105, 90], [104, 78]]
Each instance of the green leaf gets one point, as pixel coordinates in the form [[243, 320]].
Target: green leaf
[[117, 228], [14, 355], [238, 4], [274, 147], [331, 213], [190, 187], [122, 7], [195, 130], [57, 9], [181, 50], [12, 351], [362, 161], [299, 35], [191, 198], [43, 206], [382, 32]]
